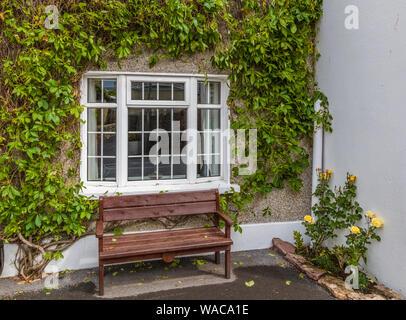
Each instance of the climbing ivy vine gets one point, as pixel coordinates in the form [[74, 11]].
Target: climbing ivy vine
[[270, 60], [267, 47]]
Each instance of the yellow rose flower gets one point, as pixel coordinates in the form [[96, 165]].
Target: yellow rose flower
[[308, 219], [355, 230], [377, 222], [370, 214], [352, 178]]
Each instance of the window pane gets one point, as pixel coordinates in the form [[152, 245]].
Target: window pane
[[165, 119], [208, 166], [109, 120], [165, 91], [203, 119], [94, 144], [150, 168], [202, 93], [164, 168], [209, 143], [150, 90], [179, 167], [134, 169], [215, 165], [136, 90], [93, 120], [134, 144], [180, 115], [150, 141], [178, 145], [134, 119], [94, 94], [109, 169], [93, 169], [165, 144], [208, 119], [214, 119], [109, 145], [110, 91], [150, 119], [214, 92], [178, 91]]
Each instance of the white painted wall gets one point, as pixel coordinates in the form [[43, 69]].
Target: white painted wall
[[363, 73], [83, 254]]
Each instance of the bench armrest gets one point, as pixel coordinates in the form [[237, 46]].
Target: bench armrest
[[226, 218], [99, 229]]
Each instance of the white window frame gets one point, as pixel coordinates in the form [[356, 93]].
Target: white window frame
[[122, 185]]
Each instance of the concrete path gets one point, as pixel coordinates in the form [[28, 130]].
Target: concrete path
[[259, 274]]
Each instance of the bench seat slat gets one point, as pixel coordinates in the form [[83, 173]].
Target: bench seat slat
[[180, 209], [161, 242], [170, 247], [158, 199], [146, 237]]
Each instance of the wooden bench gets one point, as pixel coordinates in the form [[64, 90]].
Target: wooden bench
[[166, 244]]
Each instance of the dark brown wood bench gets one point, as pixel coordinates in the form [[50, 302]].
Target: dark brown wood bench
[[166, 244]]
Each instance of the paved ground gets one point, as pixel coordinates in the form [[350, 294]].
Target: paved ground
[[270, 277]]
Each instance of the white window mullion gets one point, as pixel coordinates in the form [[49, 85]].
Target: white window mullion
[[83, 130], [192, 132], [225, 136], [143, 141], [122, 133]]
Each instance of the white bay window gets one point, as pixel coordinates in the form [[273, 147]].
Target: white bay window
[[154, 132]]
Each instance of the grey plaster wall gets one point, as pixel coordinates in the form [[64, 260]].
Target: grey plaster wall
[[363, 73]]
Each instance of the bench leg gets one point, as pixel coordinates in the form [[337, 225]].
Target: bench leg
[[227, 263], [217, 257], [101, 280]]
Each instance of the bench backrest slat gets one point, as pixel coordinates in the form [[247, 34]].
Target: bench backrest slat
[[159, 205]]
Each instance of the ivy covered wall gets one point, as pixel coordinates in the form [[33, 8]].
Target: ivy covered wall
[[267, 48]]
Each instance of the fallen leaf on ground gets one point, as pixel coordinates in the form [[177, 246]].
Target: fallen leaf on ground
[[115, 273], [199, 262], [113, 240], [21, 282], [250, 283], [288, 283], [301, 275], [238, 262], [271, 254]]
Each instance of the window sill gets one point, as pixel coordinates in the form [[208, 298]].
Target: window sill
[[95, 191]]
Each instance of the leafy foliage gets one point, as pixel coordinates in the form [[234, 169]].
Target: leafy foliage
[[335, 212], [299, 243], [272, 90], [269, 52], [41, 201]]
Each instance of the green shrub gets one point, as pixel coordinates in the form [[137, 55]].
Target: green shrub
[[337, 211], [300, 248]]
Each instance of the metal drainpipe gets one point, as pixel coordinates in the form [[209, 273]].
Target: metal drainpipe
[[1, 257], [318, 154]]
